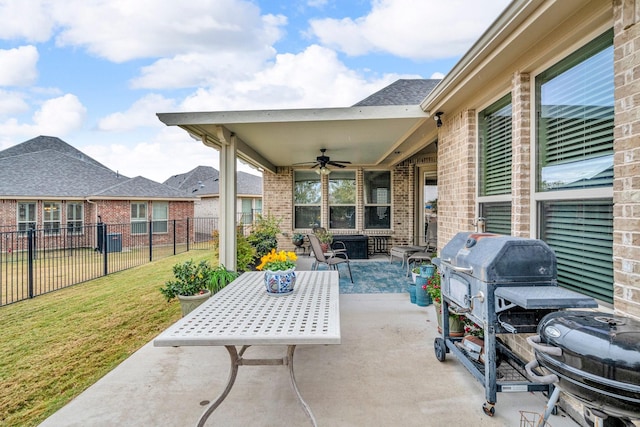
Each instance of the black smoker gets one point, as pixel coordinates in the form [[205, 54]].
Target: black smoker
[[595, 358], [505, 285]]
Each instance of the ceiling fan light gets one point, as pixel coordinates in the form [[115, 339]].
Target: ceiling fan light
[[323, 170]]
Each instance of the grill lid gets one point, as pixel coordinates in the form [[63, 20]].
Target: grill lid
[[495, 258]]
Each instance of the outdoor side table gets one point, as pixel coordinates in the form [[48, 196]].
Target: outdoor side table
[[243, 314]]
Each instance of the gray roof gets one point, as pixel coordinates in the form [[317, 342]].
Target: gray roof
[[401, 92], [203, 181], [47, 167]]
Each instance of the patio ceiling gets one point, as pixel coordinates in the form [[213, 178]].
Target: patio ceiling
[[365, 136]]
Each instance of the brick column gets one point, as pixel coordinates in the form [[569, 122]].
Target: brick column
[[521, 156], [626, 185]]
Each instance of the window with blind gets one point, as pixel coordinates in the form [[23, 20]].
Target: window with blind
[[495, 148], [581, 235], [497, 217], [575, 119], [574, 108], [377, 200]]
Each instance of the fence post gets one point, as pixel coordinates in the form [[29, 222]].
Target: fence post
[[105, 262], [150, 241], [174, 236], [30, 255], [188, 234]]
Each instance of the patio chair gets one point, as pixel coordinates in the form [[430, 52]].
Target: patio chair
[[336, 246], [332, 260], [429, 250]]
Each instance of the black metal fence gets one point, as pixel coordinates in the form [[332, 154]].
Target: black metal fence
[[37, 261]]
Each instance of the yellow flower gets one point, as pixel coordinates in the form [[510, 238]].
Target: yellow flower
[[276, 261]]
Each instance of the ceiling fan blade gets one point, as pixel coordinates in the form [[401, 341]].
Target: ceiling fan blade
[[338, 163], [304, 163]]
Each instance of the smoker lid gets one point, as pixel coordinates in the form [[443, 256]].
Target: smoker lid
[[611, 343], [495, 258]]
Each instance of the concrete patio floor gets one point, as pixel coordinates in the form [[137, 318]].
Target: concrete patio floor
[[384, 373]]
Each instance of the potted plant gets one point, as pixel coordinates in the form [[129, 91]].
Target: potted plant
[[194, 282], [279, 268], [433, 288], [297, 239], [325, 239]]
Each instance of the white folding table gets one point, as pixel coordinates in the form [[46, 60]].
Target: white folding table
[[243, 314]]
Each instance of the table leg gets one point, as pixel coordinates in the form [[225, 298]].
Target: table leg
[[305, 406], [233, 372]]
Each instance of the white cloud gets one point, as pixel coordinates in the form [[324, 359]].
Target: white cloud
[[29, 20], [142, 113], [18, 66], [56, 116], [12, 103], [312, 78], [416, 29], [123, 30], [171, 151]]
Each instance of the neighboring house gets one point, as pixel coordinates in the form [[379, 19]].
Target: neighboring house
[[535, 129], [203, 183], [47, 184]]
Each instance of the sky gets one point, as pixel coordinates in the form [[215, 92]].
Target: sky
[[95, 73]]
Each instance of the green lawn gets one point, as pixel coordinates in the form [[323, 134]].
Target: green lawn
[[55, 346]]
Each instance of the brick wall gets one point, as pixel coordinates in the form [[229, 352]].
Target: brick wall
[[521, 156], [626, 187], [457, 147]]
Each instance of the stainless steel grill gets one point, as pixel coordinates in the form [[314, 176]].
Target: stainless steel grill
[[505, 285]]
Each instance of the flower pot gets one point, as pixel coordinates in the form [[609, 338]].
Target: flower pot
[[280, 282], [456, 326], [422, 298], [427, 270], [412, 292], [188, 303]]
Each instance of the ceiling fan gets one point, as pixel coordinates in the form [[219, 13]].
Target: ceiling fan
[[322, 161]]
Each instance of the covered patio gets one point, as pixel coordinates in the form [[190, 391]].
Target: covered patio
[[384, 373]]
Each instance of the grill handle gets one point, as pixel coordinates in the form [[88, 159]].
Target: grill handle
[[534, 341], [468, 270], [542, 379]]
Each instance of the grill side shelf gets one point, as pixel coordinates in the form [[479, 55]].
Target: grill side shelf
[[544, 297]]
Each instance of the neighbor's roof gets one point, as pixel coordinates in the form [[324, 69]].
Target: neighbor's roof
[[47, 167], [203, 181]]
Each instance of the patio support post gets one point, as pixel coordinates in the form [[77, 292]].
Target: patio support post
[[227, 199]]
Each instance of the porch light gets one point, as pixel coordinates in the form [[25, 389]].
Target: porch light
[[437, 118]]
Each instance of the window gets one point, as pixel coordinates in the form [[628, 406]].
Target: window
[[377, 200], [160, 217], [51, 217], [495, 148], [581, 235], [495, 165], [497, 217], [74, 217], [575, 120], [247, 211], [138, 218], [26, 216], [306, 199], [574, 108], [342, 199]]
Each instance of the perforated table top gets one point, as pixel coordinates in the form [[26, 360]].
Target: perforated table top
[[244, 314]]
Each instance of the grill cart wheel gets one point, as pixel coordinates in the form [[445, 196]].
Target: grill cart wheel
[[489, 409], [440, 348]]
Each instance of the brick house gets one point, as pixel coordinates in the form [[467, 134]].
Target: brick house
[[47, 184], [534, 129], [203, 183]]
